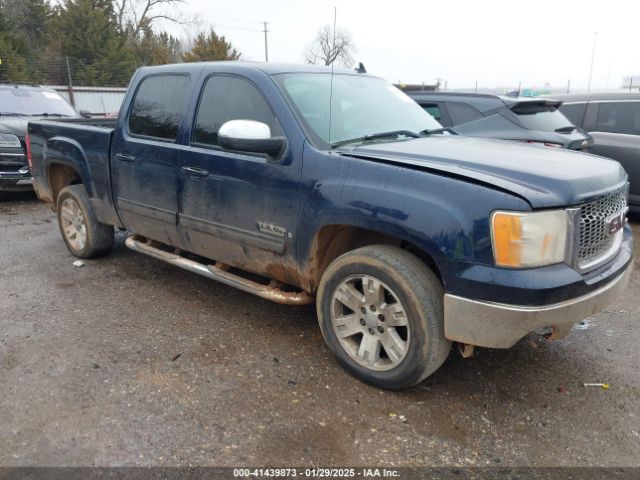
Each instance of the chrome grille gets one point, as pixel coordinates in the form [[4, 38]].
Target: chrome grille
[[595, 239]]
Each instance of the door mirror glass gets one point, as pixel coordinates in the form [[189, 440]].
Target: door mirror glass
[[249, 136]]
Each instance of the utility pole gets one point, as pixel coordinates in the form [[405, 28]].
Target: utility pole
[[70, 83], [593, 56], [266, 45]]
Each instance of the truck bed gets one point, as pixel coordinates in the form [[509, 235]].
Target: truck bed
[[86, 142]]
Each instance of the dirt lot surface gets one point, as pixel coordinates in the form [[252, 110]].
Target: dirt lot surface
[[128, 361]]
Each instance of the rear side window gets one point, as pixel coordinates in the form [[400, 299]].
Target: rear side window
[[462, 113], [619, 117], [574, 112], [230, 98], [432, 109], [540, 116], [158, 106]]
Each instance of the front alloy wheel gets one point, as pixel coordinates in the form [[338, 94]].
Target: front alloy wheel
[[370, 322], [380, 311]]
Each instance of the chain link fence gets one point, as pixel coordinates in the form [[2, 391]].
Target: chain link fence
[[64, 71]]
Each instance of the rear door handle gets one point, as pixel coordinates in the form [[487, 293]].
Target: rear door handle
[[195, 171], [123, 157]]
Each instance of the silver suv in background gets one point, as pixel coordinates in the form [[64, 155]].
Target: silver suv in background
[[613, 120], [531, 120]]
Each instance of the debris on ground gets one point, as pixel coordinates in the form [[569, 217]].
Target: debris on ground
[[78, 263], [176, 356], [562, 389], [582, 324], [604, 386]]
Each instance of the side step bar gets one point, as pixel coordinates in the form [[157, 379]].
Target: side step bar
[[218, 272]]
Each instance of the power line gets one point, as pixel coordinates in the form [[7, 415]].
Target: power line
[[230, 27], [227, 19]]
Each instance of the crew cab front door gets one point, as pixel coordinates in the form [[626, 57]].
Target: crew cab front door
[[145, 157], [238, 208]]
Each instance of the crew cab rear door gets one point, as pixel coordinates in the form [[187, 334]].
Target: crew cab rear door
[[238, 208], [145, 156]]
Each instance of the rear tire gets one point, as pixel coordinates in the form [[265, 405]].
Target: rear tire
[[380, 310], [84, 235]]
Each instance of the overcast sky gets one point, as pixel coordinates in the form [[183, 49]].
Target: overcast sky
[[496, 43]]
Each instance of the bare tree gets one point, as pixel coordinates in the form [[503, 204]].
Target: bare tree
[[134, 16], [327, 48]]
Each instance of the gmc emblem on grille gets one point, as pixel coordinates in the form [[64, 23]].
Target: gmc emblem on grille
[[617, 221]]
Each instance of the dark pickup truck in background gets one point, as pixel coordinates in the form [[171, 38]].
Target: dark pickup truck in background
[[18, 105], [289, 182]]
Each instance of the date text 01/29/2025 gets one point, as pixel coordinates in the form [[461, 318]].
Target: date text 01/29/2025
[[315, 473]]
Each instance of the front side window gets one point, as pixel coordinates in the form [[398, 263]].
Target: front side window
[[360, 106], [619, 117], [227, 98], [158, 106], [432, 109]]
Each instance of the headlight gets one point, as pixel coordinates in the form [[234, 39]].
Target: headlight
[[9, 141], [529, 239]]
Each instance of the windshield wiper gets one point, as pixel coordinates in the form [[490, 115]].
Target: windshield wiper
[[567, 129], [13, 114], [434, 131], [47, 114], [375, 136], [392, 133]]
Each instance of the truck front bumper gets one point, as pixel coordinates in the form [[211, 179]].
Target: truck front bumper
[[16, 181], [500, 325]]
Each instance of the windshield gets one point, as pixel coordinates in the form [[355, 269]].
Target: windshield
[[361, 106], [545, 118], [26, 101]]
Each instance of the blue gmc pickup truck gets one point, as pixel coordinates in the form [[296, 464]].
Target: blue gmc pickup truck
[[293, 183]]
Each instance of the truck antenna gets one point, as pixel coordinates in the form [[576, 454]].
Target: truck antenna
[[335, 15]]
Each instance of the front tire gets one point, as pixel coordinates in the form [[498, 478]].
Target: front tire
[[84, 235], [381, 313]]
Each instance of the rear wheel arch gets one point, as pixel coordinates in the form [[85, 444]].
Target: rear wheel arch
[[61, 175]]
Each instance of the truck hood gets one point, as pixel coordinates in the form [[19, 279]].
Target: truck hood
[[15, 125], [544, 176]]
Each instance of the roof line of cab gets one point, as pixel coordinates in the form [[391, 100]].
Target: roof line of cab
[[268, 68]]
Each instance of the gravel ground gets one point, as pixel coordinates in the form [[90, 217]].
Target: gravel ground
[[129, 361]]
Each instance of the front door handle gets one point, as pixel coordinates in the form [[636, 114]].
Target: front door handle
[[123, 157], [195, 171]]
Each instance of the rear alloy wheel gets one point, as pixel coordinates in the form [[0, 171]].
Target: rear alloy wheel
[[84, 235], [381, 313], [73, 225]]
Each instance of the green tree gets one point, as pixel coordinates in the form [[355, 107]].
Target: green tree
[[23, 32], [210, 47], [13, 67], [26, 22], [87, 31], [156, 48]]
